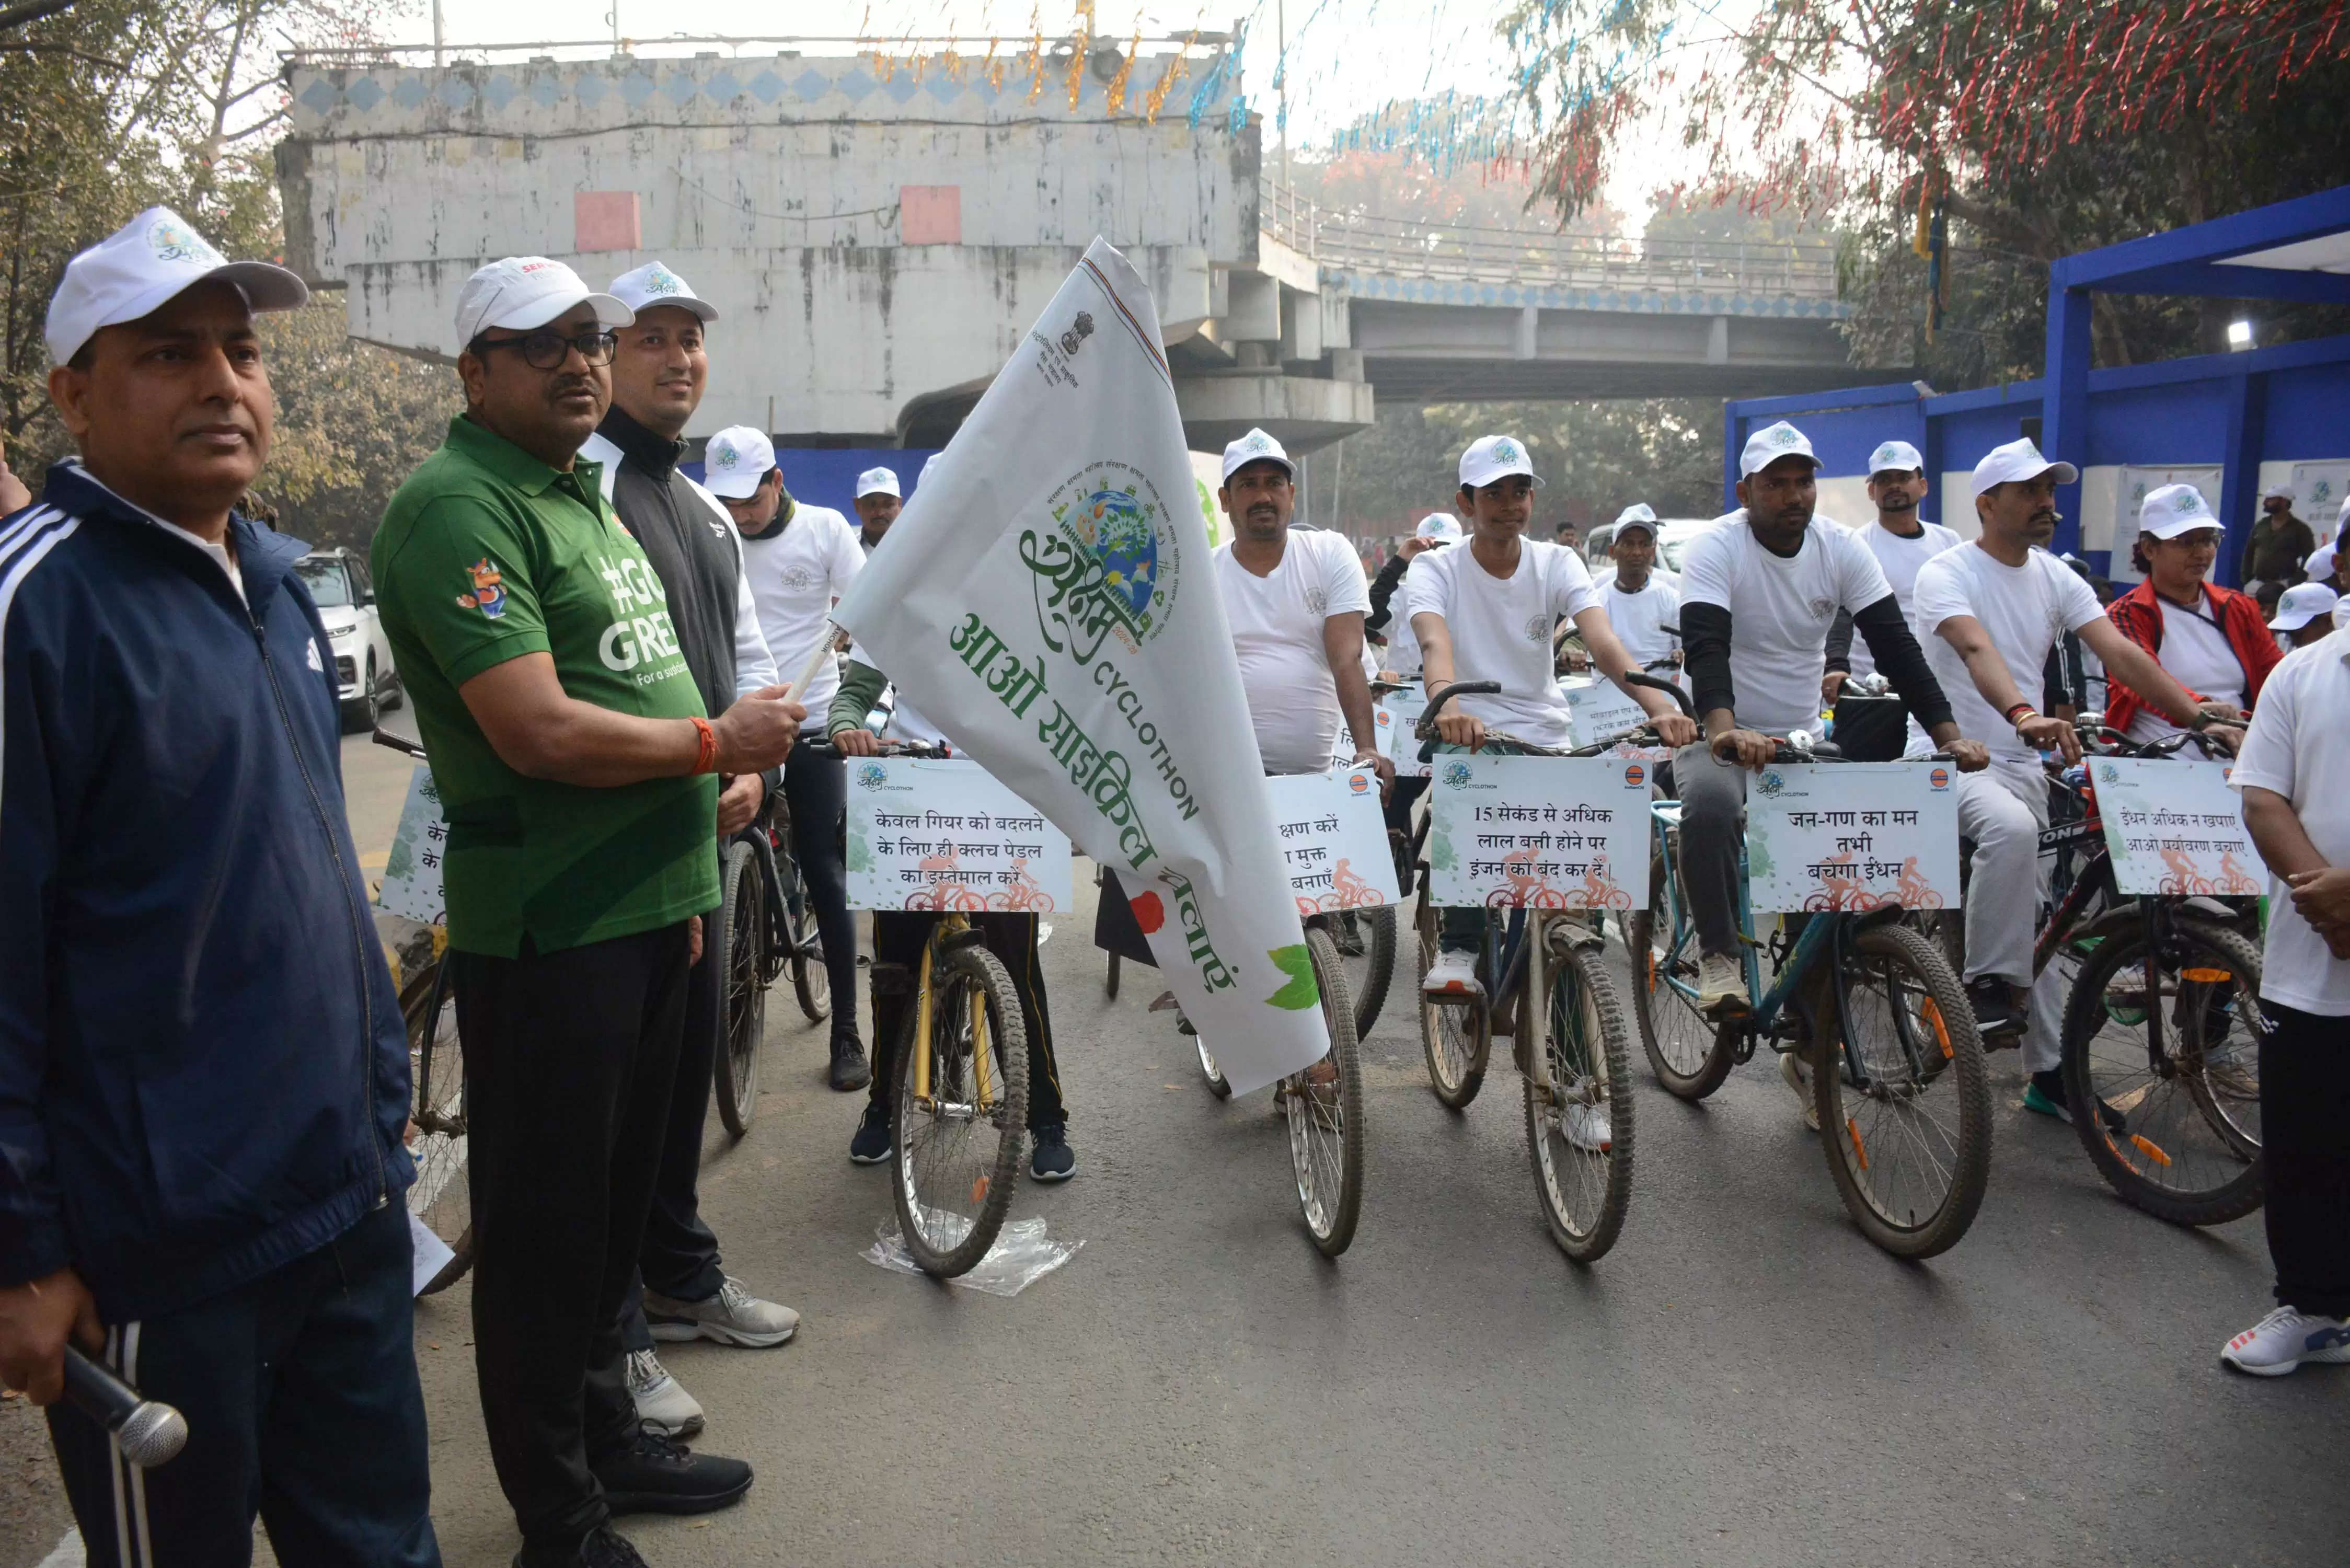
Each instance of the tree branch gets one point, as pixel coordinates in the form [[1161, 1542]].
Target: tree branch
[[32, 11]]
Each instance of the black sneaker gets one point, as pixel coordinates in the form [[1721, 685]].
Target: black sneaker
[[1054, 1159], [871, 1145], [849, 1069], [604, 1547], [1995, 1011], [2046, 1094], [658, 1475]]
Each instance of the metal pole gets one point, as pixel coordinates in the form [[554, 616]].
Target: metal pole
[[437, 34], [1281, 80]]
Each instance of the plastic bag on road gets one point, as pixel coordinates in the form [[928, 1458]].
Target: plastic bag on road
[[1021, 1255]]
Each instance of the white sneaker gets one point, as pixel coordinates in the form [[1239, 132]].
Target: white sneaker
[[661, 1404], [1720, 985], [2283, 1340], [1587, 1127], [1453, 975], [732, 1316], [1798, 1077]]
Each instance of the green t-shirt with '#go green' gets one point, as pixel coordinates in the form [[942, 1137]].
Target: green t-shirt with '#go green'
[[486, 555]]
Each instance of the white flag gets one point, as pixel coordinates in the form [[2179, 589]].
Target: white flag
[[1046, 599]]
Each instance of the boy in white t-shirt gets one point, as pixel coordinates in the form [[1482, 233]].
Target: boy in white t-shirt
[[1485, 613], [1640, 600], [1902, 543]]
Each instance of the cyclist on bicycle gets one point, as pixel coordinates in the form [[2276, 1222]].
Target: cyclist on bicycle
[[1759, 592], [1641, 599], [2214, 640], [1988, 615], [1487, 613], [899, 936]]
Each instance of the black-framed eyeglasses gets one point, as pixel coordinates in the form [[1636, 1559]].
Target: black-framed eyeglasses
[[546, 348]]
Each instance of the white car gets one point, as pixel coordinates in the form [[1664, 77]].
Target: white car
[[364, 676]]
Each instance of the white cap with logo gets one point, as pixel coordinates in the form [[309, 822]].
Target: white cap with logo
[[144, 265], [1771, 442], [1255, 447], [653, 283], [1439, 528], [1493, 457], [736, 461], [517, 294], [2277, 491], [1896, 457], [2170, 510], [2304, 603], [2019, 460], [877, 481], [1639, 515]]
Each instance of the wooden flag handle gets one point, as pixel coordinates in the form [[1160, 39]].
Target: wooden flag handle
[[816, 660]]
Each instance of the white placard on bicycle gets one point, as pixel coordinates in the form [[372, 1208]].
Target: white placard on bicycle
[[1334, 840], [411, 872], [1398, 713], [2173, 827], [1852, 837], [933, 833], [1543, 832], [1600, 708]]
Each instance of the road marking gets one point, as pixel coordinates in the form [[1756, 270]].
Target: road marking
[[68, 1552]]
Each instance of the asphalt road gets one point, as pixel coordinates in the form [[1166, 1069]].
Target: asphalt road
[[1743, 1380]]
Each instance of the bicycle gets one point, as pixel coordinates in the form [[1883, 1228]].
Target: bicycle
[[1546, 988], [1898, 1075]]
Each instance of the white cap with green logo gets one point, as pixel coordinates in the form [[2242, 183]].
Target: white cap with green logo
[[736, 461]]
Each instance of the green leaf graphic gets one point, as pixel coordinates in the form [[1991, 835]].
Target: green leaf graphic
[[860, 855], [1758, 857], [1300, 992], [400, 862]]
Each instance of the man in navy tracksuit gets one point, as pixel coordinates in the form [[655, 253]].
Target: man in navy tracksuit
[[204, 1075]]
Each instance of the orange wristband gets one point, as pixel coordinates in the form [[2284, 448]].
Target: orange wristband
[[705, 759]]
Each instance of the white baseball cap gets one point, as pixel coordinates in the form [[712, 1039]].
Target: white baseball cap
[[517, 294], [1493, 457], [136, 270], [1771, 442], [1256, 447], [2019, 460], [1897, 456], [1440, 528], [653, 283], [877, 481], [736, 461], [1639, 515], [2279, 491], [2171, 510], [2304, 603]]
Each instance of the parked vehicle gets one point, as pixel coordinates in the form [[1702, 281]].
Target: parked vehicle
[[364, 676]]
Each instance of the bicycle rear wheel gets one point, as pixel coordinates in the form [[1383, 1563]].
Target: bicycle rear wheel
[[738, 948], [1323, 1107], [802, 943], [1905, 1101], [958, 1147], [1367, 941], [439, 1195], [2188, 1150], [1580, 1133], [1455, 1036], [1690, 1053]]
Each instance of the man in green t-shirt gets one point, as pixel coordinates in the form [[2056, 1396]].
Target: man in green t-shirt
[[578, 772]]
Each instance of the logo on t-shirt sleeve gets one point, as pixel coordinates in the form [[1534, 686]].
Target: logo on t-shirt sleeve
[[489, 595]]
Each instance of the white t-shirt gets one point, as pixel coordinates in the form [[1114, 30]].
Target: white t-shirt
[[1501, 629], [2197, 654], [1403, 648], [2299, 747], [1901, 560], [1278, 622], [1780, 611], [1640, 618], [2023, 610], [795, 577]]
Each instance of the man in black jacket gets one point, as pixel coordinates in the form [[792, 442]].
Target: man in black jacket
[[658, 371], [203, 1076]]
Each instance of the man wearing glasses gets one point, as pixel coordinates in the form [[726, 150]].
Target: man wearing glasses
[[578, 773]]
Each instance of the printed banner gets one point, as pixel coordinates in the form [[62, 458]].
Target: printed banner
[[1046, 600], [1395, 714], [2173, 825], [1333, 840], [2317, 492], [926, 833], [1600, 708], [1852, 837], [1539, 833], [411, 874]]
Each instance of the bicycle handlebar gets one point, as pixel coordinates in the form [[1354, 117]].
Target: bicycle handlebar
[[1425, 730], [400, 743], [1653, 684]]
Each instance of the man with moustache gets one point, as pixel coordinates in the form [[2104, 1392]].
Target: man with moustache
[[203, 1076], [578, 775], [1901, 541], [658, 371]]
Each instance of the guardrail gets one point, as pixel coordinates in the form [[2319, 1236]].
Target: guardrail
[[1402, 247]]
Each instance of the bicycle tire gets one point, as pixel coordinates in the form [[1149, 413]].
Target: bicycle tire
[[1217, 1085], [439, 1195], [1898, 1084], [1670, 1023], [1456, 1037], [1325, 1122], [1370, 973], [738, 946], [1583, 1004], [811, 981], [1109, 981], [2153, 1144], [944, 1240]]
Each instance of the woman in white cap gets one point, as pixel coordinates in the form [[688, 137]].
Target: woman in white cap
[[2213, 641]]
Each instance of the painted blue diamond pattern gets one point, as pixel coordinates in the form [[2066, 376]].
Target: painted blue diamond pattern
[[455, 91], [591, 88], [320, 95], [545, 92], [854, 86], [812, 85], [681, 88], [902, 87], [722, 87], [409, 93], [767, 86], [637, 87], [500, 91], [943, 88], [364, 94]]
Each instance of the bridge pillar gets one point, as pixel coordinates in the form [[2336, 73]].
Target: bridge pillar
[[1716, 342], [1525, 343]]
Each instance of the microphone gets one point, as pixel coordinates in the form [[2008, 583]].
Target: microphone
[[149, 1433]]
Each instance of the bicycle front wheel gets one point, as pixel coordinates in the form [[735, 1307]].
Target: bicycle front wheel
[[2188, 1148], [959, 1133], [1455, 1036], [1904, 1100], [802, 944], [1367, 941], [1323, 1106], [738, 950], [1579, 1131], [441, 1195], [1690, 1053]]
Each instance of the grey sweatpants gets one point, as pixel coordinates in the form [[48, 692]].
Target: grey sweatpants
[[1713, 811]]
